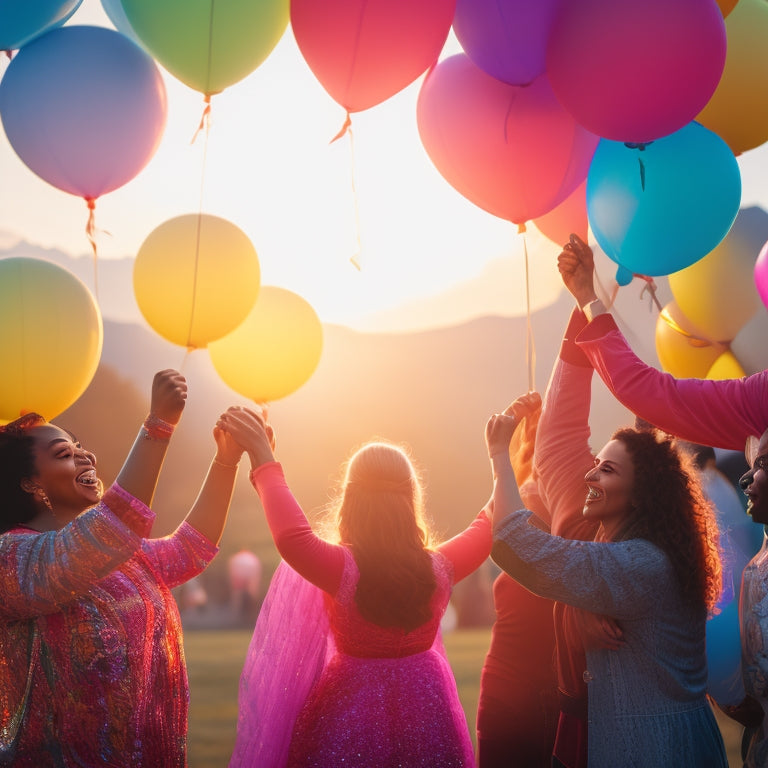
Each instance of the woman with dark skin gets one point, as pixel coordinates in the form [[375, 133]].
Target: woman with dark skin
[[91, 661]]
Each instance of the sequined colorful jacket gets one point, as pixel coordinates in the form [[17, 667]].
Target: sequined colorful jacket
[[92, 666]]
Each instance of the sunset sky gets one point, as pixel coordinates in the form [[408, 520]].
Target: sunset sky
[[271, 170]]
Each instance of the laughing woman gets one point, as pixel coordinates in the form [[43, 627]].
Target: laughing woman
[[91, 661], [654, 569]]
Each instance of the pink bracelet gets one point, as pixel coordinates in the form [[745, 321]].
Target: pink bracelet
[[156, 428]]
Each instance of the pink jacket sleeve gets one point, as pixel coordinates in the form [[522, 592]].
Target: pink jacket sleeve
[[717, 413], [563, 455], [318, 561], [469, 549]]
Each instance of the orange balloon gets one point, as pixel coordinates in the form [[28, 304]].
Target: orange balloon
[[726, 6], [567, 217]]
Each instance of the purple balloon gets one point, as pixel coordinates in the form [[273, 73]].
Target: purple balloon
[[635, 72], [507, 39], [84, 108]]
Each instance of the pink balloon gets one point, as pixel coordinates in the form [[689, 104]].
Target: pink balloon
[[364, 51], [570, 216], [508, 40], [512, 150], [761, 274], [635, 72]]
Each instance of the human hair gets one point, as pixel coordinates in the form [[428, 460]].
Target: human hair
[[380, 516], [17, 461], [670, 510]]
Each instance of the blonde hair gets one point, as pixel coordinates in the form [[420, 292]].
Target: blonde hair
[[380, 516]]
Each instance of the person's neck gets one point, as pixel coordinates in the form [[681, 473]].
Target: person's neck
[[51, 520]]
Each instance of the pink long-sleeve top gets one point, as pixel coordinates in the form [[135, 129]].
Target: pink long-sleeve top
[[722, 414], [92, 668], [322, 562], [563, 457]]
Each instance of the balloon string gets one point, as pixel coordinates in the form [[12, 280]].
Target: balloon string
[[205, 119], [344, 128], [90, 232], [650, 287], [694, 341], [355, 258], [530, 345]]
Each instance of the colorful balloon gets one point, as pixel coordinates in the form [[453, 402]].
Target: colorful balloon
[[208, 44], [50, 336], [717, 293], [511, 150], [761, 274], [738, 109], [364, 51], [274, 351], [84, 108], [506, 40], [567, 217], [659, 207], [636, 73], [726, 367], [726, 6], [681, 351], [749, 345], [23, 20], [196, 278], [116, 14]]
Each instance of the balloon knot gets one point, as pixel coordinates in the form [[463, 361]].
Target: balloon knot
[[8, 53], [521, 228], [650, 287], [344, 128], [205, 118]]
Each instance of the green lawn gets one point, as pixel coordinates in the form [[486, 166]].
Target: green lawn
[[215, 659]]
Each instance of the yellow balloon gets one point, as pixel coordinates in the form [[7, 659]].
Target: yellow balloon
[[680, 351], [274, 351], [196, 278], [50, 335], [726, 367], [717, 294], [738, 109]]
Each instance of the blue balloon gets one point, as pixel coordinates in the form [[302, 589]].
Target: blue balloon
[[23, 20], [724, 681], [657, 208], [116, 14]]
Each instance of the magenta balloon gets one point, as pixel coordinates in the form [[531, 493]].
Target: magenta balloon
[[512, 150], [761, 274], [84, 108], [635, 72], [364, 51], [507, 39]]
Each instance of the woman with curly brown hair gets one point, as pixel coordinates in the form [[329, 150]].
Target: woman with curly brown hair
[[653, 569]]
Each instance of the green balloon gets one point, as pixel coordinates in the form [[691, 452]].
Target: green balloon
[[208, 44]]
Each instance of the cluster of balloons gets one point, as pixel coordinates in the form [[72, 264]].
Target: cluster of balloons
[[84, 108], [197, 281]]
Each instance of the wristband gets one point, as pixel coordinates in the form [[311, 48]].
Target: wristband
[[594, 308], [156, 428]]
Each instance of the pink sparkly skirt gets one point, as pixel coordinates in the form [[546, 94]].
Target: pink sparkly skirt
[[383, 713]]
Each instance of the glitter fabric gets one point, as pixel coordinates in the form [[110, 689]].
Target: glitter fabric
[[92, 667], [383, 697]]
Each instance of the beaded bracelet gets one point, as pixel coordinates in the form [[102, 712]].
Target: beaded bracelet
[[156, 428], [223, 464]]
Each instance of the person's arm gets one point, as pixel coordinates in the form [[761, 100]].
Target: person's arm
[[140, 472], [722, 414], [469, 549], [316, 560], [42, 572], [563, 455], [618, 579]]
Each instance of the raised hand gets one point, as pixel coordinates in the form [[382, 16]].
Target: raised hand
[[577, 266], [249, 430], [169, 395]]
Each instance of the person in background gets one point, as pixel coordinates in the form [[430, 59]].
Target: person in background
[[379, 691], [653, 569], [91, 660]]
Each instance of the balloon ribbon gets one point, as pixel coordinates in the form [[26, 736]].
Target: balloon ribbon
[[90, 232], [530, 344]]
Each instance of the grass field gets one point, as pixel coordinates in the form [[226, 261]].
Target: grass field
[[215, 659]]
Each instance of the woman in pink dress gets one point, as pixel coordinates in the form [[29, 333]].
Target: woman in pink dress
[[379, 691], [91, 660]]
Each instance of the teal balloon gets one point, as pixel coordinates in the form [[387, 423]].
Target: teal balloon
[[623, 276], [724, 681], [24, 20], [659, 207]]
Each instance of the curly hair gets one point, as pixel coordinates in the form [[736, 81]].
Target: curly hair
[[380, 516], [17, 461], [670, 510]]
